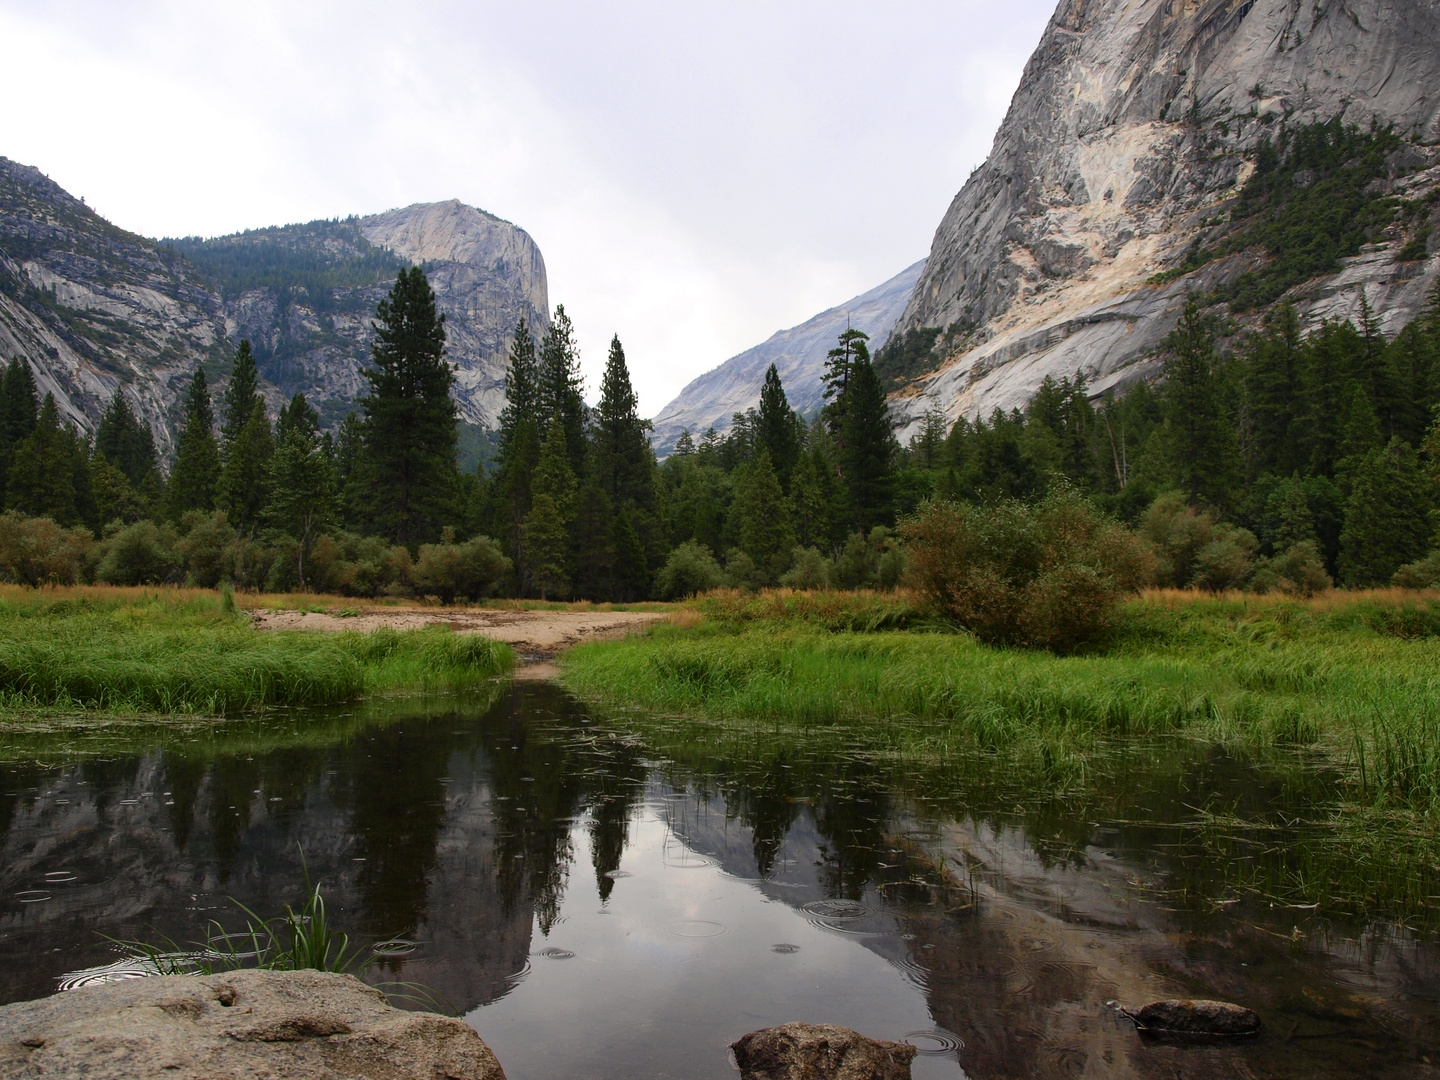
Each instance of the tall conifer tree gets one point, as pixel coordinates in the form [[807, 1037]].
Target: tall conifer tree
[[867, 449], [196, 475], [1202, 440], [125, 441], [410, 419], [546, 531], [42, 472], [623, 457], [778, 427], [521, 429], [561, 386]]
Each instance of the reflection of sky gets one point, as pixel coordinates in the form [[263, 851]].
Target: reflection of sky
[[645, 995]]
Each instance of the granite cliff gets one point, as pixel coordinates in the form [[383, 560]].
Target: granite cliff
[[1134, 128], [94, 308], [797, 353]]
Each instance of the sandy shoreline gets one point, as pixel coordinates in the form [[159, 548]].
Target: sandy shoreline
[[535, 635]]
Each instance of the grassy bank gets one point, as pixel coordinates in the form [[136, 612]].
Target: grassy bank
[[1345, 688], [188, 652]]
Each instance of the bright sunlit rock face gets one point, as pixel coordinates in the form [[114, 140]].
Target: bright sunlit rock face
[[1129, 130]]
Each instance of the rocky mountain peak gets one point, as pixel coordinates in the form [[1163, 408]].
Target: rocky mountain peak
[[1134, 123]]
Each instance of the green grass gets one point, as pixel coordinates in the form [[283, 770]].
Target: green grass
[[1340, 701], [183, 653]]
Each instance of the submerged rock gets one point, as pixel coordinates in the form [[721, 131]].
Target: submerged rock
[[273, 1024], [819, 1052], [1199, 1017]]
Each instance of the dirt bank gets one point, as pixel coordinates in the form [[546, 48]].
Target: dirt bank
[[533, 634]]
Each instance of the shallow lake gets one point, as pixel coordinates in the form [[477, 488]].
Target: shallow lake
[[595, 909]]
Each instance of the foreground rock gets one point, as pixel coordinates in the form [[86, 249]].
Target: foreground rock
[[819, 1052], [272, 1024], [1195, 1018]]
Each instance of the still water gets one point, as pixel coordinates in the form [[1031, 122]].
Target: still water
[[596, 910]]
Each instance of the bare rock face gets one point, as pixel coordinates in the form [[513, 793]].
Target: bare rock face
[[819, 1052], [277, 1025], [1132, 127]]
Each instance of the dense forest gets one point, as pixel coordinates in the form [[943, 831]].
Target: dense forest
[[1265, 457]]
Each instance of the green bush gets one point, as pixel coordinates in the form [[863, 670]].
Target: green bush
[[36, 551], [1193, 549], [1422, 574], [1045, 575], [690, 569], [1299, 570], [139, 554], [207, 547], [808, 570], [470, 570]]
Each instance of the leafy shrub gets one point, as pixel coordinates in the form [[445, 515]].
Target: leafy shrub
[[139, 554], [206, 547], [690, 569], [470, 570], [741, 572], [808, 570], [1193, 549], [36, 551], [1045, 575], [1298, 571], [1422, 574]]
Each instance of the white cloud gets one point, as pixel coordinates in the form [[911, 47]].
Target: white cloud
[[697, 176]]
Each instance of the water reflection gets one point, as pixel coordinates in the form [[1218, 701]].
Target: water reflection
[[597, 911]]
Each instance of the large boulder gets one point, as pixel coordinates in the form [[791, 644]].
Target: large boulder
[[819, 1052], [244, 1024]]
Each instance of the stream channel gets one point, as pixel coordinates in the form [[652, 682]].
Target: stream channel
[[595, 909]]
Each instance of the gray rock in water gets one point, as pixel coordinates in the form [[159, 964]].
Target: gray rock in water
[[1195, 1018], [819, 1052], [246, 1024]]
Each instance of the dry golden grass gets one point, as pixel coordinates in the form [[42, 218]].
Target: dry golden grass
[[686, 618], [1331, 600]]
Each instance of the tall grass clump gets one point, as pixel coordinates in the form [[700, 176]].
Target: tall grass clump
[[1038, 575], [187, 652]]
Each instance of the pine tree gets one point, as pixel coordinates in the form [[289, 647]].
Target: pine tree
[[867, 449], [839, 364], [561, 387], [778, 427], [19, 410], [126, 443], [1202, 440], [621, 447], [1386, 517], [115, 498], [241, 395], [764, 530], [302, 482], [546, 531], [410, 420], [245, 476], [518, 444], [196, 475], [631, 574], [42, 472], [1274, 390]]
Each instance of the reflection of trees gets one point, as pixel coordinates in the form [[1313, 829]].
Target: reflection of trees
[[19, 779], [397, 810], [544, 772]]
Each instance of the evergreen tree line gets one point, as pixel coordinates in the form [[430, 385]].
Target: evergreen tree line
[[1279, 460]]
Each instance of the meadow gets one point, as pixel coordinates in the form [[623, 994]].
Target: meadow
[[192, 652], [1334, 700]]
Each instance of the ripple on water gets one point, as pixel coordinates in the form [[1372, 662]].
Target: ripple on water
[[697, 928], [32, 896], [131, 967], [837, 909], [394, 947], [59, 877], [784, 948], [553, 953], [937, 1042], [616, 875]]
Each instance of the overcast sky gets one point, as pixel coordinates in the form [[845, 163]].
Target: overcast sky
[[697, 176]]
